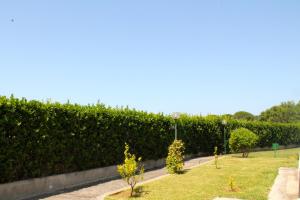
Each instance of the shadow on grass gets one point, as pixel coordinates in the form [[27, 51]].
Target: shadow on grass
[[140, 191], [184, 171], [240, 156]]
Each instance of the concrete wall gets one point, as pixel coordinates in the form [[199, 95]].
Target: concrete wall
[[46, 185]]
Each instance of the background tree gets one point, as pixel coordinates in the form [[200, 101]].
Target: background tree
[[286, 112], [243, 115], [226, 116]]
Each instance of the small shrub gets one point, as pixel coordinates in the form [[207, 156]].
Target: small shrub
[[175, 157], [131, 170], [231, 184], [242, 140], [216, 157]]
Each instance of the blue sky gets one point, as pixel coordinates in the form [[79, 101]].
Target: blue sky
[[197, 57]]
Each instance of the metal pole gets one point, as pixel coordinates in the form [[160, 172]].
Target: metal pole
[[224, 140], [175, 130]]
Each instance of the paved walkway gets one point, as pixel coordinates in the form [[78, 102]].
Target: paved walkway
[[96, 192], [286, 185]]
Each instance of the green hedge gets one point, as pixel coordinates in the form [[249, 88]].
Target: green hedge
[[40, 139]]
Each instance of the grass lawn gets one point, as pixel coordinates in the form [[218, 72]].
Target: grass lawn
[[253, 179]]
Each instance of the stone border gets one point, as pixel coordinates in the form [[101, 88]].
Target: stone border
[[128, 187]]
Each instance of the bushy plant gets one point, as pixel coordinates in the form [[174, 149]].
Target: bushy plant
[[131, 170], [242, 140], [175, 159]]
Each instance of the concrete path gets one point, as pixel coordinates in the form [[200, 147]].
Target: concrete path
[[96, 192], [286, 185]]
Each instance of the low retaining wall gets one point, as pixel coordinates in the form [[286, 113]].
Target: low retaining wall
[[280, 147], [46, 185]]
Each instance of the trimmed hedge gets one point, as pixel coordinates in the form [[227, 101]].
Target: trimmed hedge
[[40, 139]]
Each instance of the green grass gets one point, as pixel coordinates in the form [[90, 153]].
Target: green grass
[[253, 177]]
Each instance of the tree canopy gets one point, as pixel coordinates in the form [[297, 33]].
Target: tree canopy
[[243, 115], [286, 112]]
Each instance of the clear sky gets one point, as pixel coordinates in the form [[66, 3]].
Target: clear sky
[[159, 56]]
